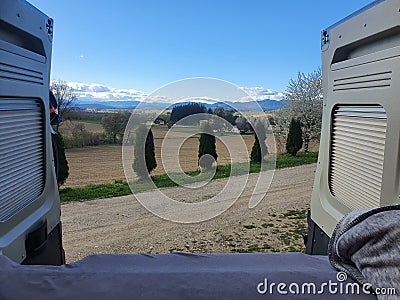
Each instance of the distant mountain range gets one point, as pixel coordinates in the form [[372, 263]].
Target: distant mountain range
[[99, 96], [265, 105]]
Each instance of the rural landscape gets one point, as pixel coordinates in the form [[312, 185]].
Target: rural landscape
[[199, 149], [97, 200]]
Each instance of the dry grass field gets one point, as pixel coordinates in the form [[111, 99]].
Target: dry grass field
[[103, 164], [67, 127], [93, 165]]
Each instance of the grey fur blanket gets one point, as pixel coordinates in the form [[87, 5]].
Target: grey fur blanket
[[366, 245]]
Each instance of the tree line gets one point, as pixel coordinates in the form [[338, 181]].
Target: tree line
[[180, 112]]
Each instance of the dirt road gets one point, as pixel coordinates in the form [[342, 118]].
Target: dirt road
[[123, 225]]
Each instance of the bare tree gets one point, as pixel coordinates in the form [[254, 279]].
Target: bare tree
[[114, 125], [64, 95], [304, 102], [243, 125]]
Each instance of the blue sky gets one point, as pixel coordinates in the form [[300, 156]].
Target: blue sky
[[145, 44]]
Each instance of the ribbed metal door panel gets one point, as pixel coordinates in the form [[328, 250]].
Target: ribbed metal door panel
[[357, 153], [21, 155]]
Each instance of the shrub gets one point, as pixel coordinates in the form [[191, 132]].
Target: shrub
[[81, 138], [294, 141], [207, 148]]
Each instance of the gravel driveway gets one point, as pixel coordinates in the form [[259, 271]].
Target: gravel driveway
[[123, 225]]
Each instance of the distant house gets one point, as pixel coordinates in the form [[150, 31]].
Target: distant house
[[161, 120], [202, 123]]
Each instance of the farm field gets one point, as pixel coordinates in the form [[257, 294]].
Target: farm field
[[67, 127], [93, 165], [103, 164]]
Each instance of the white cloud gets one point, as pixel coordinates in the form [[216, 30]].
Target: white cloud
[[101, 92], [260, 93], [247, 99]]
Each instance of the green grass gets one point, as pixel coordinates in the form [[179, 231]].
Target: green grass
[[94, 191], [295, 214], [121, 188], [249, 226], [253, 248], [286, 160], [266, 246], [266, 225]]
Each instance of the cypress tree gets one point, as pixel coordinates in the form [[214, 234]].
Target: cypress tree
[[294, 140], [255, 155], [145, 162], [259, 149], [149, 153], [207, 146], [60, 160]]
